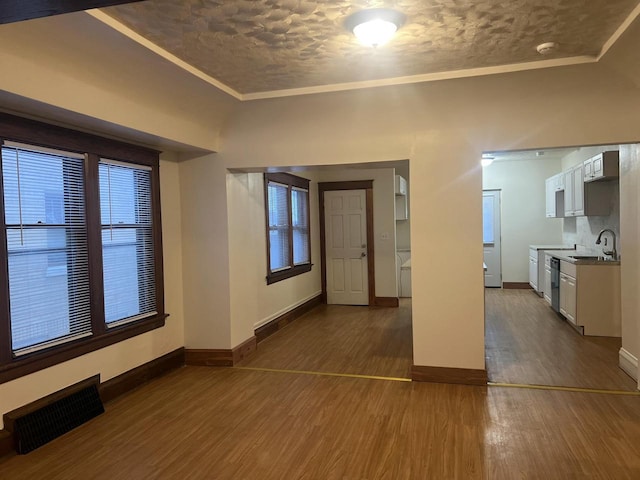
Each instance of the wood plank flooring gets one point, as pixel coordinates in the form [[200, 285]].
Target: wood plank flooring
[[226, 423], [527, 342], [342, 339]]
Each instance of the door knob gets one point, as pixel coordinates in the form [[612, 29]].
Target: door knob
[[363, 254]]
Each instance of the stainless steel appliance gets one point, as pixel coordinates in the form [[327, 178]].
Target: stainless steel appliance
[[555, 284]]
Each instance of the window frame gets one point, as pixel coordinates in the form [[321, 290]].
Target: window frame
[[93, 147], [292, 269]]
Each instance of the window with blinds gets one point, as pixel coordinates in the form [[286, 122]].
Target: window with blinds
[[81, 244], [288, 246], [47, 253], [127, 242]]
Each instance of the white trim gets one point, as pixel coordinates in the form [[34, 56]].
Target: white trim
[[618, 33], [628, 362], [273, 316], [426, 77], [136, 37]]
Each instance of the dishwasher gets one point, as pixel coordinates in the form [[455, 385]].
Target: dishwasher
[[555, 284]]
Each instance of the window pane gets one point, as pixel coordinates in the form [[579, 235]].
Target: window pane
[[47, 248], [127, 242], [278, 226], [300, 214]]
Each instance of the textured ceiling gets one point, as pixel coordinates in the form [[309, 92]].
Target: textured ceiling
[[266, 45]]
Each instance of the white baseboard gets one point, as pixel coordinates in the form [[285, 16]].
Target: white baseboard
[[266, 320], [628, 363]]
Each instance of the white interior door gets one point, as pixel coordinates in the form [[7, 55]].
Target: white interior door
[[491, 237], [345, 216]]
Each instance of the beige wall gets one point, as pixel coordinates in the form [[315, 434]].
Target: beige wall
[[630, 245], [121, 357], [253, 302], [384, 224], [523, 202]]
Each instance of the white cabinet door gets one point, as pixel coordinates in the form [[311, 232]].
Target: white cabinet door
[[578, 190], [550, 197], [533, 272], [570, 305], [547, 284], [568, 193]]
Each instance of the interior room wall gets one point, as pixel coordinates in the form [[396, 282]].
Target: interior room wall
[[523, 208], [384, 224], [630, 245], [583, 231], [403, 227], [111, 361], [253, 302]]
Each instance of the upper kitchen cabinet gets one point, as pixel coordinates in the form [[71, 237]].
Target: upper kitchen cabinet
[[554, 187], [585, 199], [402, 212], [604, 166]]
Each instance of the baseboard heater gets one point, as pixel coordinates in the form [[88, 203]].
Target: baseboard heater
[[50, 417]]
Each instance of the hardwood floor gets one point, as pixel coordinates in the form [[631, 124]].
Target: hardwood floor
[[342, 339], [227, 423], [527, 342]]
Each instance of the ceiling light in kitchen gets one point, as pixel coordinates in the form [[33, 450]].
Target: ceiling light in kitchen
[[375, 26]]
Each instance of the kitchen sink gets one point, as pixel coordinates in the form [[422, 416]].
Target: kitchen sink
[[585, 257]]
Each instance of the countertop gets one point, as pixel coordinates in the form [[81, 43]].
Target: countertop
[[552, 247], [564, 255]]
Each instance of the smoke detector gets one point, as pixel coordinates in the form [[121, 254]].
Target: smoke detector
[[547, 48]]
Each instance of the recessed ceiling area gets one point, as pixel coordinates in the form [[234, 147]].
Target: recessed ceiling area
[[254, 47]]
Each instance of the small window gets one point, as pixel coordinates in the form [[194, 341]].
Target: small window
[[287, 213]]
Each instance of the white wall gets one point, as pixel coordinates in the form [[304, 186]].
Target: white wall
[[111, 361], [403, 227], [384, 224], [523, 208], [583, 231]]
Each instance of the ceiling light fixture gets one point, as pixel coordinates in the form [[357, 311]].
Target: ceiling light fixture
[[547, 48], [376, 26]]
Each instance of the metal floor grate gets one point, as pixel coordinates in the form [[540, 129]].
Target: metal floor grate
[[37, 428]]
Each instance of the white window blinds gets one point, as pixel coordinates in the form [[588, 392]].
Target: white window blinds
[[278, 226], [127, 242], [46, 233], [300, 218]]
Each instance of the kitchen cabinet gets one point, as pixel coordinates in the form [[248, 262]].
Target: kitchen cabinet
[[585, 199], [590, 298], [533, 269], [604, 166], [568, 297], [554, 187], [402, 211]]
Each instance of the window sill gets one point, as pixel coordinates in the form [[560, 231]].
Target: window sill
[[21, 366], [291, 272]]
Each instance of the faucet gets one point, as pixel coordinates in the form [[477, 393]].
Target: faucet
[[612, 252]]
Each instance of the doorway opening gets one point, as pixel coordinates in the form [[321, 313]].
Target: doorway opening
[[552, 205]]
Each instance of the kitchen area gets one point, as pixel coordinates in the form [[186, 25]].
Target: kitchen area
[[570, 332]]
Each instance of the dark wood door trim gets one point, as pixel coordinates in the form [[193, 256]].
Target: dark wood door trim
[[366, 185]]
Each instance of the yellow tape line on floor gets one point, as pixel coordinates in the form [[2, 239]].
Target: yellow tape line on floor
[[562, 389], [328, 374]]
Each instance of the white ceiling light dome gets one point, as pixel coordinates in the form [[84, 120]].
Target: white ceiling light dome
[[376, 26]]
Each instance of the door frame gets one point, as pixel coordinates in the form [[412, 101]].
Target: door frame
[[499, 191], [367, 186]]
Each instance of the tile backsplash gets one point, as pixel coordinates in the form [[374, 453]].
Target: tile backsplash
[[583, 231]]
